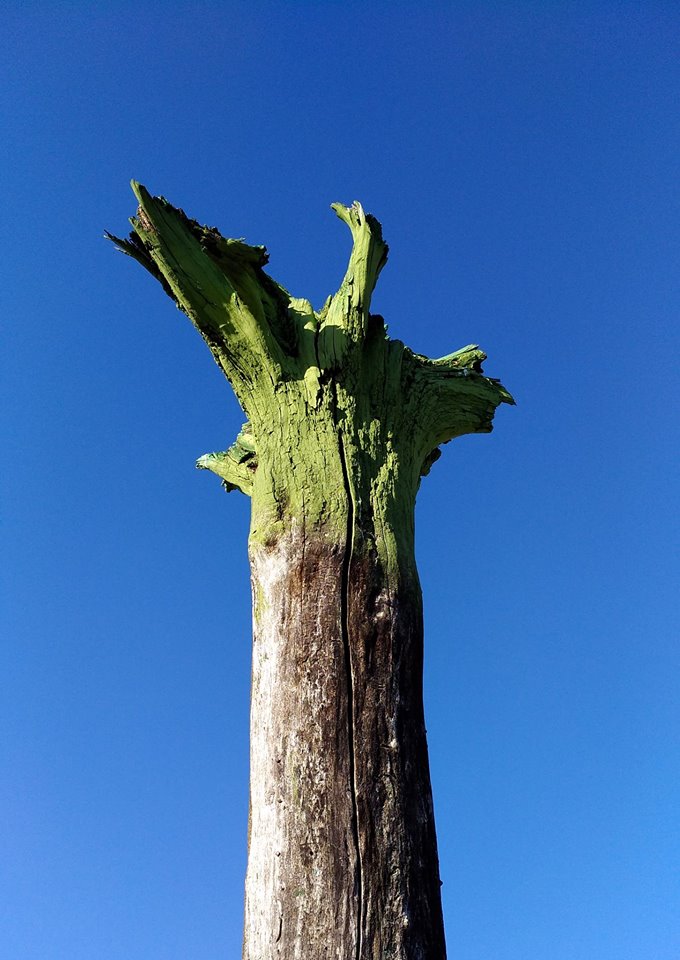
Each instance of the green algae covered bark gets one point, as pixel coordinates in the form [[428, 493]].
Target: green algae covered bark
[[342, 423]]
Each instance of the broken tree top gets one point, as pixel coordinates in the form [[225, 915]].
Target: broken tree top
[[342, 422], [266, 340]]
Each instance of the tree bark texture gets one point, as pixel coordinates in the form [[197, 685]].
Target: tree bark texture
[[342, 424]]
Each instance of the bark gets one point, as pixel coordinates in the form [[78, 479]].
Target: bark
[[342, 833], [342, 424]]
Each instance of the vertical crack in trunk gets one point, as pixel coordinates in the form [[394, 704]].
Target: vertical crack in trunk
[[344, 626]]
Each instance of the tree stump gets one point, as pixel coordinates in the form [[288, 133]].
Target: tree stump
[[342, 423]]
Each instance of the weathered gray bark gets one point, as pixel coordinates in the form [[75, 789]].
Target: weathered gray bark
[[342, 829], [342, 424]]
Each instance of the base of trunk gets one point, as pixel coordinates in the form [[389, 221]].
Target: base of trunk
[[341, 826]]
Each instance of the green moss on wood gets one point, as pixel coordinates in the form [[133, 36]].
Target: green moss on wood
[[327, 393], [237, 465]]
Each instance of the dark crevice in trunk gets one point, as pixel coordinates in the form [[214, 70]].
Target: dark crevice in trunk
[[344, 626]]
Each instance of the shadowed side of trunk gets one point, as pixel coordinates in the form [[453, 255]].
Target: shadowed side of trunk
[[401, 902]]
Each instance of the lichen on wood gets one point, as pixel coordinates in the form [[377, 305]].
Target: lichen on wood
[[342, 424]]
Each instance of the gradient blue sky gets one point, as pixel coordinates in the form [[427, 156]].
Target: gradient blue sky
[[523, 158]]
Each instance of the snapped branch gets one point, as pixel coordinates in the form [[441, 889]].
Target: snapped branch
[[346, 316], [236, 466], [219, 283], [455, 397]]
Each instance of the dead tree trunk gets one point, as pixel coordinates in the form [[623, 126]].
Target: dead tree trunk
[[342, 424]]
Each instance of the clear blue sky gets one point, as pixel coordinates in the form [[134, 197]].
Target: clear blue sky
[[523, 158]]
